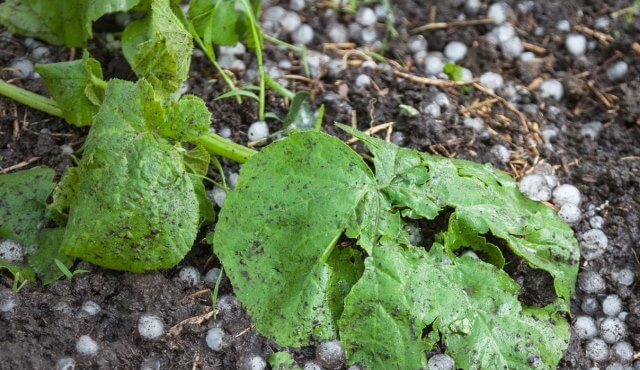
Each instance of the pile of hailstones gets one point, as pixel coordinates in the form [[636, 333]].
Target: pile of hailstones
[[601, 327]]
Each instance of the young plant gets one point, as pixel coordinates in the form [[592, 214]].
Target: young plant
[[312, 224], [65, 270]]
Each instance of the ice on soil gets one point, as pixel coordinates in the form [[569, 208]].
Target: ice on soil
[[330, 354], [150, 326], [86, 346]]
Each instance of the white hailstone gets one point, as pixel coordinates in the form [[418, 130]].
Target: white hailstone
[[472, 7], [623, 315], [501, 153], [398, 138], [503, 32], [576, 44], [511, 48], [491, 80], [476, 124], [8, 301], [338, 33], [217, 195], [226, 304], [368, 35], [527, 56], [369, 64], [592, 44], [303, 35], [189, 276], [432, 109], [253, 362], [22, 68], [597, 350], [225, 60], [433, 65], [570, 213], [617, 70], [455, 51], [442, 100], [354, 30], [566, 193], [238, 66], [66, 149], [12, 251], [585, 327], [273, 14], [150, 364], [636, 365], [381, 11], [612, 305], [40, 53], [225, 132], [285, 64], [551, 88], [232, 180], [616, 366], [591, 129], [417, 43], [591, 282], [258, 131], [310, 365], [66, 363], [150, 326], [316, 60], [549, 134], [90, 308], [534, 186], [297, 5], [211, 277], [602, 23], [612, 330], [624, 277], [466, 74], [363, 81], [563, 25], [184, 87], [623, 351], [596, 222], [526, 6], [366, 17], [593, 244], [552, 180], [441, 362], [471, 254], [86, 346], [330, 354], [334, 67], [498, 12], [290, 22], [238, 49], [215, 339]]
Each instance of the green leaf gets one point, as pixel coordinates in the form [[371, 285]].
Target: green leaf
[[131, 202], [76, 86], [44, 261], [453, 70], [186, 120], [282, 361], [197, 160], [215, 20], [300, 116], [60, 22], [158, 48], [277, 236], [471, 305]]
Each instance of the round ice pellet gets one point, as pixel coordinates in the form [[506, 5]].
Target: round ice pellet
[[258, 131], [150, 326], [591, 282], [330, 354], [441, 362], [585, 327], [535, 187], [86, 346], [566, 193]]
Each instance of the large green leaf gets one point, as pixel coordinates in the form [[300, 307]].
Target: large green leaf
[[76, 86], [469, 305], [158, 48], [277, 236], [215, 20], [131, 202]]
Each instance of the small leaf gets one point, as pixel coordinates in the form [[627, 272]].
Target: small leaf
[[282, 361], [215, 20]]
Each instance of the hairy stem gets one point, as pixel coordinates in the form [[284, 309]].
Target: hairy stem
[[30, 99], [217, 145]]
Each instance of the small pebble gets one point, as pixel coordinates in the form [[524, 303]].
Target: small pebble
[[593, 244], [23, 68], [433, 65], [215, 339], [585, 327], [552, 89], [476, 124], [86, 346], [566, 193], [563, 25], [150, 327], [491, 80], [591, 282], [417, 43], [363, 81], [535, 187], [570, 213], [337, 33], [498, 12], [330, 354], [66, 363], [612, 330], [303, 35], [623, 351], [597, 350], [189, 276], [591, 129], [576, 44], [596, 222], [12, 251], [253, 362], [612, 305], [366, 17], [617, 71], [624, 277], [455, 51], [258, 131], [441, 362]]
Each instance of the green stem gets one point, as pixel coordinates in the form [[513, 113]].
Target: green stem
[[217, 145], [287, 45], [30, 99], [283, 91], [257, 37]]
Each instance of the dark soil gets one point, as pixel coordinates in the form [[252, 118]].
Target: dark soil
[[606, 170]]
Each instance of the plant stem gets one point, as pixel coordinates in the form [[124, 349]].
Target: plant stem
[[30, 99], [287, 45], [283, 91], [217, 145], [257, 37]]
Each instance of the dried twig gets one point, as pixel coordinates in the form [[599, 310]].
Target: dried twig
[[372, 130], [603, 38], [509, 106], [452, 24], [196, 320], [19, 165], [533, 47]]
